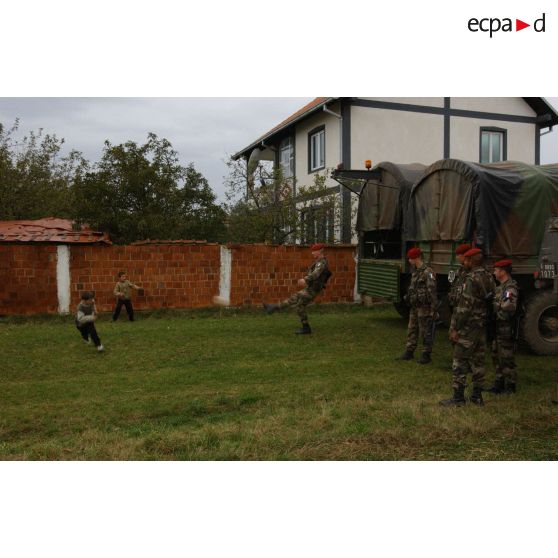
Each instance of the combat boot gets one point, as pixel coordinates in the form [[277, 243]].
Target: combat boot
[[305, 329], [498, 387], [510, 386], [407, 355], [425, 359], [476, 396], [270, 308], [458, 399]]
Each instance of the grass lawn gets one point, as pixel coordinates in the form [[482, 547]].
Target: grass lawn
[[240, 385]]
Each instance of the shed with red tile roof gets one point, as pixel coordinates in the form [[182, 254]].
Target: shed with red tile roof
[[50, 230]]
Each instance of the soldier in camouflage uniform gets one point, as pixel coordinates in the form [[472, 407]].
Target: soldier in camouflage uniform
[[457, 278], [467, 330], [423, 300], [505, 307], [313, 284]]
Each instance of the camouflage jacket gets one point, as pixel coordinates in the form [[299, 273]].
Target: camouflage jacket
[[314, 277], [471, 310], [422, 289], [456, 286], [505, 300]]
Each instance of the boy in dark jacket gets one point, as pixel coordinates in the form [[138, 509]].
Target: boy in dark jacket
[[85, 320]]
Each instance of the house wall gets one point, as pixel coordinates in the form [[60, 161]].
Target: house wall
[[397, 136], [172, 276], [502, 105], [465, 139], [332, 145], [423, 101], [403, 136]]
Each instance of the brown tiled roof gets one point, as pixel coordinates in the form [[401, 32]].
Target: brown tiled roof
[[298, 114], [49, 229], [312, 104]]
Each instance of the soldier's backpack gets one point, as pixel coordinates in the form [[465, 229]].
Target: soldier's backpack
[[325, 275]]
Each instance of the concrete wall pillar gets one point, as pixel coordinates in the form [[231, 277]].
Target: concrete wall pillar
[[63, 278], [356, 294], [225, 274]]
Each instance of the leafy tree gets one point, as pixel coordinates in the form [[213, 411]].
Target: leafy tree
[[35, 181], [139, 192], [263, 206]]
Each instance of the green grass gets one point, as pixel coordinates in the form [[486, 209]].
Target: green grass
[[239, 385]]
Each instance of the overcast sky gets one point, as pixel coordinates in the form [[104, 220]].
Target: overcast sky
[[204, 131]]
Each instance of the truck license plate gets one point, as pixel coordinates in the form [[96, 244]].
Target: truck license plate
[[548, 270]]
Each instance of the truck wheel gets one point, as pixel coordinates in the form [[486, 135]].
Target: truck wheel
[[402, 309], [540, 324]]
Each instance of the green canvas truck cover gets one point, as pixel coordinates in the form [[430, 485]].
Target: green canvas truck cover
[[382, 201], [503, 207]]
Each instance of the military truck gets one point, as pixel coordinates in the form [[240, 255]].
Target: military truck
[[383, 197], [507, 209]]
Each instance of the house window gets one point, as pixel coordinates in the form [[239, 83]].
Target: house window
[[317, 225], [493, 145], [286, 157], [316, 149]]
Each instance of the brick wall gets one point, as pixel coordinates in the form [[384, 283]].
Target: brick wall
[[28, 279], [172, 276], [270, 273]]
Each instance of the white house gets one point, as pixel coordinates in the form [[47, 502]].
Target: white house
[[330, 131]]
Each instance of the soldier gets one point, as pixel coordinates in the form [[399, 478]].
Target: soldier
[[457, 278], [313, 284], [467, 330], [423, 300], [505, 307]]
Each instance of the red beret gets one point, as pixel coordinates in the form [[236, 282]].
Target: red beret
[[503, 263], [316, 247], [462, 248], [413, 253], [472, 252]]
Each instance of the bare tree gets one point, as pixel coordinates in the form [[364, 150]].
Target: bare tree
[[264, 206]]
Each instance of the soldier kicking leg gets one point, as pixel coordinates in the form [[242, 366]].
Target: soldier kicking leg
[[313, 283], [301, 300]]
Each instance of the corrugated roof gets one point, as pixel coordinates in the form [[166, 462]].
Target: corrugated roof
[[49, 229], [312, 105]]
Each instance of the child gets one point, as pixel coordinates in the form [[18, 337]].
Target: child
[[123, 293], [85, 320]]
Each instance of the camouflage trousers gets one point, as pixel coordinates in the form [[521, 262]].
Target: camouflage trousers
[[420, 325], [301, 300], [468, 356], [503, 354]]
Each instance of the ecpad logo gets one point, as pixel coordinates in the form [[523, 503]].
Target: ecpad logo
[[493, 25]]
